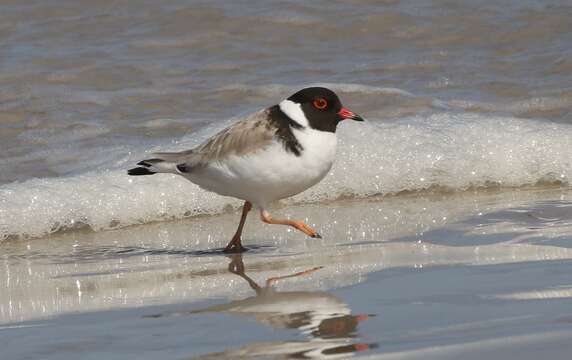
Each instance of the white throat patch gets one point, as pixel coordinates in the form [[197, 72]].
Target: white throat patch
[[294, 112]]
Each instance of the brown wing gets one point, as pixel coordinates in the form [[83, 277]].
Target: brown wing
[[241, 138]]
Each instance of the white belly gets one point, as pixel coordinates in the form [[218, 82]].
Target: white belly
[[271, 173]]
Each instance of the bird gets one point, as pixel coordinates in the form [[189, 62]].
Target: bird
[[272, 154]]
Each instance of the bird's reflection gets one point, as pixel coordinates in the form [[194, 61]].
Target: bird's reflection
[[323, 320]]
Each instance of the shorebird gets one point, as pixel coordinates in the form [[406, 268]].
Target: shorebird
[[272, 154]]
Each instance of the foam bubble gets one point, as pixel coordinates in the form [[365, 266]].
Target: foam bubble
[[456, 151], [100, 201]]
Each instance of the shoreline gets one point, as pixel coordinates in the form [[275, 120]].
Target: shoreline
[[390, 278], [369, 235]]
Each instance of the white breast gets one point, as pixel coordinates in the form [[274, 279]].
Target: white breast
[[273, 172]]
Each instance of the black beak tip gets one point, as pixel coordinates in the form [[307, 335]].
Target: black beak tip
[[358, 118]]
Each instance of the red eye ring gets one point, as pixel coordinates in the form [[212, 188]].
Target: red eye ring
[[320, 103]]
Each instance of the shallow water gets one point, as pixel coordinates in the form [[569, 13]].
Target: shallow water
[[446, 218], [445, 276]]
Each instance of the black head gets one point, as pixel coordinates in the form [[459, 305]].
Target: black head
[[322, 108]]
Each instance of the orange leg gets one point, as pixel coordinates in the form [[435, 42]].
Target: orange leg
[[297, 224], [235, 245]]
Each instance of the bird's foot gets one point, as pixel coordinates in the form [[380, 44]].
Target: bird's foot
[[306, 229]]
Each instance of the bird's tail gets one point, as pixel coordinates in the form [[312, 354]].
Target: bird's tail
[[153, 166]]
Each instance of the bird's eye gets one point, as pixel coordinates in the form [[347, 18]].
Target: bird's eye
[[320, 104]]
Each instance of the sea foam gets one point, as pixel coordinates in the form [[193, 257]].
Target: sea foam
[[455, 151]]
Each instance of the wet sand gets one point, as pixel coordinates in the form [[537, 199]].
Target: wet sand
[[461, 275]]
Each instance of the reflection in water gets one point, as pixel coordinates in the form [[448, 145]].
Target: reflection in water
[[325, 320], [160, 263]]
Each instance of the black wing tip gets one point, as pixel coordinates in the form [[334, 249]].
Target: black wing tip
[[139, 171]]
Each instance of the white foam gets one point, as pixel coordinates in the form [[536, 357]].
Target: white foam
[[457, 151]]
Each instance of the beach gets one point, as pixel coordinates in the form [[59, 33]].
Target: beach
[[446, 219], [452, 275]]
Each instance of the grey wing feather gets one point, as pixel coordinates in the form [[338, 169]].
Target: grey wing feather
[[243, 137]]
